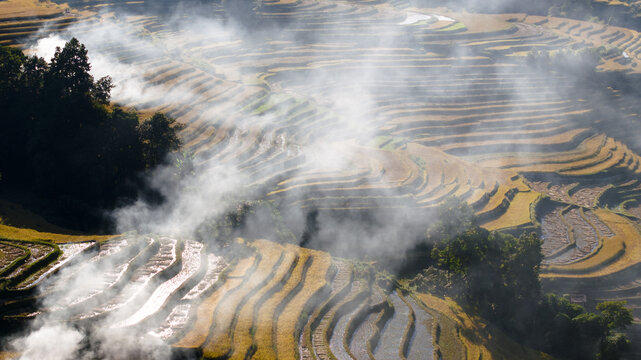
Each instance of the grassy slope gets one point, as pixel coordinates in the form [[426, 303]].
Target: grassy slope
[[17, 223]]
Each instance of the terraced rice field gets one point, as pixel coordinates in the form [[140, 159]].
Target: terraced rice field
[[352, 106], [278, 301]]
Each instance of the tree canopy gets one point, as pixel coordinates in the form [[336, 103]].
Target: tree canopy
[[65, 143], [496, 276]]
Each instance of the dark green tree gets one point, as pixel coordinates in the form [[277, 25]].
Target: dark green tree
[[613, 346], [616, 317], [615, 314], [11, 62], [453, 217], [69, 70], [159, 137]]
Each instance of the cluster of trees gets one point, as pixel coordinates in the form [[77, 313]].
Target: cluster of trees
[[496, 276], [568, 331], [64, 142]]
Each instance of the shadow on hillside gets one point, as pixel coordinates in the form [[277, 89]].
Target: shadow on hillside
[[13, 214]]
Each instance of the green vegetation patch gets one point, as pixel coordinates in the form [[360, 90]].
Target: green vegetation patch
[[456, 27]]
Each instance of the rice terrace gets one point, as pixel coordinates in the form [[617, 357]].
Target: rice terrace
[[320, 179]]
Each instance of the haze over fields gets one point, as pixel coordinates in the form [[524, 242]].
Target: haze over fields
[[321, 141]]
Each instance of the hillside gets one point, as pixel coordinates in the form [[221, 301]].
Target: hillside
[[352, 121], [240, 302]]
